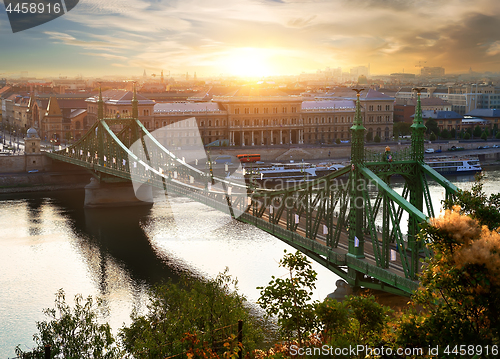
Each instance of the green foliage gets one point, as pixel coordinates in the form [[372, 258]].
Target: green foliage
[[359, 320], [484, 136], [333, 316], [460, 284], [467, 136], [432, 137], [189, 317], [377, 139], [445, 134], [497, 136], [289, 298], [402, 128], [476, 204], [453, 133], [369, 136], [432, 126], [477, 131], [337, 141], [73, 334]]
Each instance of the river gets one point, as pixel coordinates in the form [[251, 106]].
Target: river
[[50, 242]]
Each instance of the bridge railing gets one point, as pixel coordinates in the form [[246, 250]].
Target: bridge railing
[[374, 156]]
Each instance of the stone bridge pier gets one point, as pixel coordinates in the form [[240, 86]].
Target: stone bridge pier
[[116, 194]]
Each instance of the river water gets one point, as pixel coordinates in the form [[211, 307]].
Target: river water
[[48, 241]]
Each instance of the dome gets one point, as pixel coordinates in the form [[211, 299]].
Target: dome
[[31, 133]]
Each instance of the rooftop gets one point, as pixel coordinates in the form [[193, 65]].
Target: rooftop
[[328, 105], [120, 97], [484, 112], [186, 107]]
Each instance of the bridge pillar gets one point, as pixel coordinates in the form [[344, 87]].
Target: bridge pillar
[[102, 194]]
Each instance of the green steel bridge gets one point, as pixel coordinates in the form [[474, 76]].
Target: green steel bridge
[[331, 219]]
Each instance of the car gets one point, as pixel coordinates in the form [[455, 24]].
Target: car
[[486, 147], [455, 148], [438, 151], [495, 146], [429, 150]]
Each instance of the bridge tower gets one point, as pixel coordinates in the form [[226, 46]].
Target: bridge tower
[[356, 235], [417, 181]]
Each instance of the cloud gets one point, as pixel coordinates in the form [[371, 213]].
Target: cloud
[[106, 56], [388, 34], [71, 40]]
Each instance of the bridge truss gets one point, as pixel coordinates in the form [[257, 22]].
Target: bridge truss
[[351, 221]]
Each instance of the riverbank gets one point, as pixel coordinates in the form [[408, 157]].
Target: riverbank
[[43, 181]]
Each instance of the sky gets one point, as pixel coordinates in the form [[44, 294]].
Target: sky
[[256, 37]]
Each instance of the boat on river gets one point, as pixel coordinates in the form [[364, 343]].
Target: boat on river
[[447, 165], [290, 172]]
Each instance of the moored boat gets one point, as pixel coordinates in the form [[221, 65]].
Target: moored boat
[[446, 165]]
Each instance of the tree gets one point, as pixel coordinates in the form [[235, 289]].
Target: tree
[[369, 136], [191, 315], [337, 141], [377, 139], [453, 133], [497, 136], [461, 282], [432, 137], [476, 204], [477, 131], [432, 126], [73, 334], [289, 298], [467, 136], [484, 136], [402, 128], [445, 134]]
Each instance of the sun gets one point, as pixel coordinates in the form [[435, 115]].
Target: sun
[[248, 62]]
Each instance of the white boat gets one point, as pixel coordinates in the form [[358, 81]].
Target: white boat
[[290, 172], [446, 165]]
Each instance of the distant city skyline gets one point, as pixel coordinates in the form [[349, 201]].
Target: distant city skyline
[[256, 37]]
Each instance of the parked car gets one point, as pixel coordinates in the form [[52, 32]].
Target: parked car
[[495, 146], [455, 148], [429, 150]]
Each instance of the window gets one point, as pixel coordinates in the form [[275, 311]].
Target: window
[[387, 107], [266, 110], [294, 109], [247, 110], [370, 108], [256, 110], [236, 111], [275, 110], [379, 107], [284, 109]]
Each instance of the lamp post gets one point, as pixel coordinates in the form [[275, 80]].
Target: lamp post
[[15, 135]]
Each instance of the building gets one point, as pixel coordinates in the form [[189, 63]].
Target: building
[[118, 103], [262, 117], [491, 115], [432, 72], [211, 120], [445, 119]]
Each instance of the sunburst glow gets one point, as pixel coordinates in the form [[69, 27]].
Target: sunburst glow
[[249, 62]]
